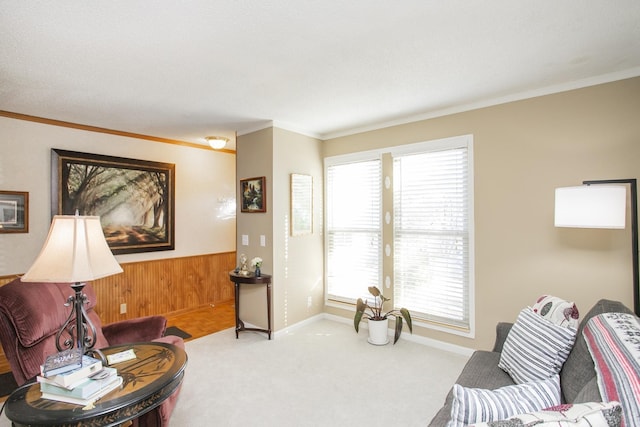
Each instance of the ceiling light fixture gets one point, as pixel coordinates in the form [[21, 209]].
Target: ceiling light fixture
[[217, 142]]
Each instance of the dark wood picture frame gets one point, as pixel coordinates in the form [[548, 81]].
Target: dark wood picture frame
[[14, 212], [253, 195], [135, 199]]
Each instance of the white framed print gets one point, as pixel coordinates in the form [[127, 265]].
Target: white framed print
[[301, 204]]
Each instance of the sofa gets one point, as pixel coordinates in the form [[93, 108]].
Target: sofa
[[32, 313], [577, 376]]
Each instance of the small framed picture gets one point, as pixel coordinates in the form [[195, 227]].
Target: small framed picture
[[253, 195], [14, 212]]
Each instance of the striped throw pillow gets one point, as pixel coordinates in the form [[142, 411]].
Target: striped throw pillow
[[474, 405], [535, 348]]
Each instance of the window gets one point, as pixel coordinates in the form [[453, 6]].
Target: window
[[353, 228], [429, 244], [432, 235]]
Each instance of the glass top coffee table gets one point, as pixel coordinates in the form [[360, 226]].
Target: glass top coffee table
[[148, 380]]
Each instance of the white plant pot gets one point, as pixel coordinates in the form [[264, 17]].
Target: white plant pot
[[378, 332]]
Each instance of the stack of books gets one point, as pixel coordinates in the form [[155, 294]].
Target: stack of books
[[71, 377]]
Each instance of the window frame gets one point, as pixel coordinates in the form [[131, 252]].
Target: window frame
[[461, 141], [365, 156]]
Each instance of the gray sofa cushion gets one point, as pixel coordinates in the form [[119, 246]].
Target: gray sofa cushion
[[589, 393], [579, 370]]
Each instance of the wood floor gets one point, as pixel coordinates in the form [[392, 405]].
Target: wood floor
[[206, 320], [198, 323]]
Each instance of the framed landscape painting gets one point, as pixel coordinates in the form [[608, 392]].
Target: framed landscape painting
[[14, 212], [253, 197], [135, 199]]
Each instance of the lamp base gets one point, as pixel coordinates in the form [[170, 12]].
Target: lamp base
[[77, 331]]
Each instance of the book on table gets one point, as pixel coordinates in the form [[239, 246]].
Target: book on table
[[65, 379], [116, 382], [62, 361], [82, 389]]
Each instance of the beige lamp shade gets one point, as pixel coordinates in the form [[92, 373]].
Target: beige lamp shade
[[591, 206], [75, 251]]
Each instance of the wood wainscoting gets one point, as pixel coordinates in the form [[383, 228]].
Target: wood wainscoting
[[165, 287]]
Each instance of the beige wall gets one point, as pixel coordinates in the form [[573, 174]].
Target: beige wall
[[294, 262], [522, 152], [254, 158], [205, 188], [298, 259]]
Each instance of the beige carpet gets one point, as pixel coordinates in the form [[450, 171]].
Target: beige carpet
[[320, 374]]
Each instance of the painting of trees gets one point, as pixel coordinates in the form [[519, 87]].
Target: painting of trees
[[133, 198]]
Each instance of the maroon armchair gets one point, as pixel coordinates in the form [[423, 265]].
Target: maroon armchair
[[32, 313]]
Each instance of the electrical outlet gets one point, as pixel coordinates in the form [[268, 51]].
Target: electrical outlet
[[123, 308]]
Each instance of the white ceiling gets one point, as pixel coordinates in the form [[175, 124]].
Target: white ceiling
[[187, 69]]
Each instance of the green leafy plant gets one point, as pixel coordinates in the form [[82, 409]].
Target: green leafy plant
[[375, 312]]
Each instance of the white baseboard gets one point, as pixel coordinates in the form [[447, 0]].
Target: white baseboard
[[440, 345]]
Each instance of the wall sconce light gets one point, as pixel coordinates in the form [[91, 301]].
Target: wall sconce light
[[217, 142], [601, 204]]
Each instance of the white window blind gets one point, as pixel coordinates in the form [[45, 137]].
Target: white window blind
[[353, 198], [431, 235]]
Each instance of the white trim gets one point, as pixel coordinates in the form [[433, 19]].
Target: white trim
[[460, 141], [266, 124], [255, 128], [296, 129], [359, 156], [296, 326], [454, 142], [470, 106], [491, 102], [472, 241], [429, 342]]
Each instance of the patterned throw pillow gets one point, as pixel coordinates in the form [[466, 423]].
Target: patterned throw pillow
[[475, 405], [576, 415], [557, 310], [535, 348]]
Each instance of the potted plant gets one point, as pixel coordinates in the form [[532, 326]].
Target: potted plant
[[378, 320]]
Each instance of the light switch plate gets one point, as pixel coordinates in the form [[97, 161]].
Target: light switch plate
[[263, 240], [245, 240]]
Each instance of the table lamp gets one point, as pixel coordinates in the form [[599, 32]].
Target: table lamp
[[75, 252], [601, 204]]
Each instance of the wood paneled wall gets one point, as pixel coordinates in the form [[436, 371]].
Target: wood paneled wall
[[163, 286]]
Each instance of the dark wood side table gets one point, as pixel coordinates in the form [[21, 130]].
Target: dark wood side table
[[251, 279], [148, 380]]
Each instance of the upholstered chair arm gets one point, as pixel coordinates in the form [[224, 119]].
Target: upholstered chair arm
[[502, 330], [135, 330]]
